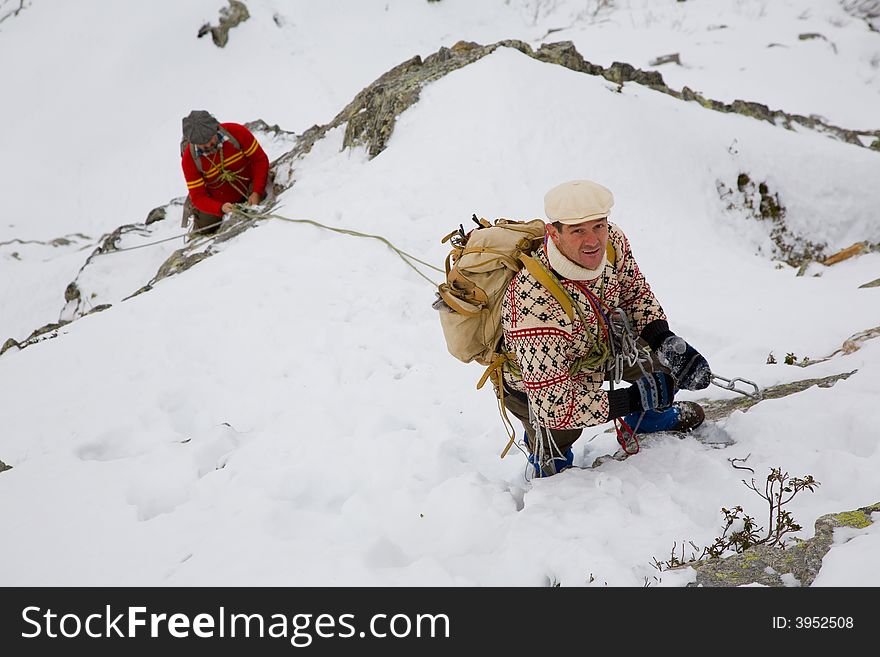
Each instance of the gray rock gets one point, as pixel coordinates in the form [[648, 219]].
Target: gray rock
[[231, 16], [719, 408], [674, 58], [758, 202], [774, 566], [370, 118], [71, 292], [9, 344], [156, 214]]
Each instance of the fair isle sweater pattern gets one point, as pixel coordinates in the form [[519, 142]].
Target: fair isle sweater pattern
[[546, 344]]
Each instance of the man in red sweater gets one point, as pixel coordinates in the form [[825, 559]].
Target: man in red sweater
[[223, 164]]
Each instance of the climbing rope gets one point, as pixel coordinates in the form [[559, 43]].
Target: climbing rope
[[167, 239], [249, 214], [406, 257], [623, 347], [234, 178], [545, 452]]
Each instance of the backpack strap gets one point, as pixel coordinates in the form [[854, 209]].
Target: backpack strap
[[550, 282], [229, 136], [196, 159]]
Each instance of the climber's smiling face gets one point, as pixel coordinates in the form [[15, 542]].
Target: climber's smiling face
[[583, 243]]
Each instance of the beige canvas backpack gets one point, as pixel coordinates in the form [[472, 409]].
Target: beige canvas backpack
[[479, 268]]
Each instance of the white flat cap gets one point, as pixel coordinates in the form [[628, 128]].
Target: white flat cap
[[576, 201]]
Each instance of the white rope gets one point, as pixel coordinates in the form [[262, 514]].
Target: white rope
[[253, 215], [543, 453]]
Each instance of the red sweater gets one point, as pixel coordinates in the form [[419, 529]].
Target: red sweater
[[229, 174]]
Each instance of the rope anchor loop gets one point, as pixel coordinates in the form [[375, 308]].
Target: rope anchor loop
[[730, 384]]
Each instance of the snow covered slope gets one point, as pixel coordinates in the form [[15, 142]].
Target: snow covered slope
[[285, 412]]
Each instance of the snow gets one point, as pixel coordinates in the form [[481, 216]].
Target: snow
[[285, 412], [852, 546]]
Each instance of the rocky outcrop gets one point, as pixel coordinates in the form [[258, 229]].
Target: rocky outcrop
[[797, 565], [566, 55], [757, 201], [12, 8], [369, 120], [717, 409], [156, 214], [231, 16], [43, 333], [66, 240], [720, 408], [4, 467], [866, 10], [75, 304], [197, 250]]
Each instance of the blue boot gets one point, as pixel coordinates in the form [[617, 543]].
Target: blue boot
[[558, 464], [681, 416]]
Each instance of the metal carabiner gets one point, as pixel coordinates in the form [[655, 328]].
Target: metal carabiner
[[730, 384]]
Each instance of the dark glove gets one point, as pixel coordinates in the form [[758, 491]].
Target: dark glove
[[687, 365], [654, 391]]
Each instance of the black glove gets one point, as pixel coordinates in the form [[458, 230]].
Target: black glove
[[654, 391], [687, 365]]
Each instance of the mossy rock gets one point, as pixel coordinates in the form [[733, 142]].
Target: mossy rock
[[767, 565]]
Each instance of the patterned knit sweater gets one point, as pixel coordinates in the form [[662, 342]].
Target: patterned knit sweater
[[545, 343]]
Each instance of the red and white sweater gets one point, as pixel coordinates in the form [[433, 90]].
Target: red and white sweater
[[546, 344]]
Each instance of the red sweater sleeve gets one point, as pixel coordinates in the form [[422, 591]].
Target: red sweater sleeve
[[254, 153]]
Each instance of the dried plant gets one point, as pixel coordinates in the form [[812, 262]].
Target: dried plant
[[741, 532]]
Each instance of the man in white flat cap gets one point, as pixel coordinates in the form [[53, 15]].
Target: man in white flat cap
[[554, 384]]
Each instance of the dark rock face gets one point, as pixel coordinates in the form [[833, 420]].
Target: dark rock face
[[761, 204], [235, 14], [4, 467], [156, 214]]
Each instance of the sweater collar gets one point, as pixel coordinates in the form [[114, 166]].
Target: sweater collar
[[571, 270]]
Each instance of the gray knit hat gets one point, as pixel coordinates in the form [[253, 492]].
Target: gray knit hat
[[199, 127]]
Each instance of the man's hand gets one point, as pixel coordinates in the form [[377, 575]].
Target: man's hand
[[654, 391], [227, 208], [688, 366], [253, 199]]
